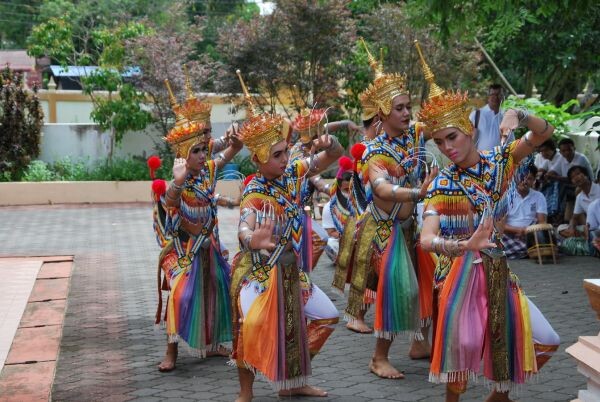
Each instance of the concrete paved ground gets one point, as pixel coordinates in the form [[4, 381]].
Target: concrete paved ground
[[109, 349]]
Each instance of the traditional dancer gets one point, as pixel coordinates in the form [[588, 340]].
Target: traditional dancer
[[391, 169], [481, 311], [337, 213], [347, 263], [281, 319], [195, 273]]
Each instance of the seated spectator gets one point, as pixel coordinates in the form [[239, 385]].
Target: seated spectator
[[593, 226], [575, 242], [528, 208], [589, 192], [547, 156], [337, 211], [558, 172]]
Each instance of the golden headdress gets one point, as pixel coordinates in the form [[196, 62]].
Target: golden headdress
[[193, 108], [261, 131], [309, 123], [382, 91], [191, 118], [443, 109]]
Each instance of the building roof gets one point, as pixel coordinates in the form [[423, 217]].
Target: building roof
[[17, 60], [78, 71]]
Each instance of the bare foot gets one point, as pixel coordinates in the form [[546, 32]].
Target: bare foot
[[243, 398], [496, 396], [419, 350], [384, 369], [168, 363], [222, 351], [359, 326], [307, 390]]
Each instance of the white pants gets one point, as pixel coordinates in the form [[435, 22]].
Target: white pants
[[318, 306], [542, 331]]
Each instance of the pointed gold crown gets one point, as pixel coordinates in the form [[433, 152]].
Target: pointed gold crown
[[193, 108], [261, 131], [186, 133], [443, 109], [309, 123], [382, 91]]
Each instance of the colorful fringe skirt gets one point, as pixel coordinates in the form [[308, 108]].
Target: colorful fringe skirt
[[198, 307], [482, 312], [271, 338]]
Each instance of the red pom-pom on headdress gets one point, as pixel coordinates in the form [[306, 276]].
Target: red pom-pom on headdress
[[357, 152], [154, 163], [345, 164], [159, 187], [248, 178]]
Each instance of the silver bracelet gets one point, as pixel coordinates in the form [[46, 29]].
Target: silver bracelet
[[247, 239], [415, 194], [526, 139], [395, 188], [430, 212], [523, 116], [545, 127], [176, 186]]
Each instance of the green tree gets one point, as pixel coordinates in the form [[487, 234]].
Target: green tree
[[81, 37], [215, 16], [390, 37], [302, 43], [552, 45], [16, 20], [21, 120]]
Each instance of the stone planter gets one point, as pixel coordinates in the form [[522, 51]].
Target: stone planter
[[78, 192]]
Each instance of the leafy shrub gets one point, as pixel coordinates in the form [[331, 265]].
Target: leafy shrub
[[68, 170], [21, 119], [120, 169], [247, 167], [557, 116], [38, 171]]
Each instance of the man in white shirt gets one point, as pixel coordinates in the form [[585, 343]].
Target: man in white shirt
[[487, 120], [570, 158], [589, 192], [559, 173], [547, 156], [528, 208]]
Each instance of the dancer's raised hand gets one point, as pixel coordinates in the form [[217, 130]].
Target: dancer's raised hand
[[179, 170], [481, 238], [262, 237]]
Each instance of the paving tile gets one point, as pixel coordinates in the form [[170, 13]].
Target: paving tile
[[108, 337], [44, 313], [26, 382], [35, 344], [55, 270], [49, 289]]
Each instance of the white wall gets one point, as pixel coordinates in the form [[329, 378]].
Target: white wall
[[86, 142]]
